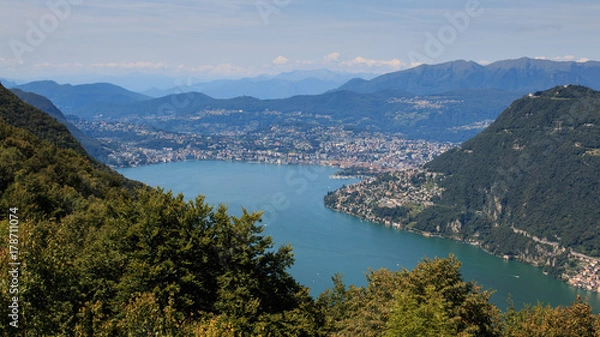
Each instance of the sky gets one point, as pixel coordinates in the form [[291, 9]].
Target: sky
[[201, 39]]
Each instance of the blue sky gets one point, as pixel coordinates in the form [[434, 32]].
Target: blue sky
[[240, 38]]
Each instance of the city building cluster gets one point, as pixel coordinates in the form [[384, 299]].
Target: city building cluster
[[135, 145], [587, 275], [375, 199]]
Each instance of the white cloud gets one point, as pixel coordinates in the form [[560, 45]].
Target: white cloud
[[8, 62], [566, 58], [227, 69], [394, 64], [280, 60], [131, 65], [305, 62], [59, 66], [198, 69], [222, 69], [415, 64], [332, 57]]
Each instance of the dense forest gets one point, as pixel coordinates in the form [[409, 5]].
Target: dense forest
[[104, 256], [535, 169]]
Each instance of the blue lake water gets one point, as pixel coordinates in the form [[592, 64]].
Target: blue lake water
[[326, 242]]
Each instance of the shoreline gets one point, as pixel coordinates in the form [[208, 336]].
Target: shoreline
[[573, 282]]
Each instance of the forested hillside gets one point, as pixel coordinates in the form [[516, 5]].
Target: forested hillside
[[527, 187], [535, 169], [93, 146], [14, 112]]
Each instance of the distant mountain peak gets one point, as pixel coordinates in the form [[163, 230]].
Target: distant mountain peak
[[520, 75], [71, 98], [282, 85]]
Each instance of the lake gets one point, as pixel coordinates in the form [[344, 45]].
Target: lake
[[326, 242]]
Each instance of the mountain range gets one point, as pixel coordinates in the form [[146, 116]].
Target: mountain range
[[446, 102], [8, 83], [453, 116], [73, 98], [521, 75], [308, 82]]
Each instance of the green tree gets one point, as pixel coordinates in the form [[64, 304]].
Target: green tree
[[393, 302], [540, 321], [412, 316]]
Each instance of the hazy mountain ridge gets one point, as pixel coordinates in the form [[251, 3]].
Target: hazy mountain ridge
[[452, 101], [8, 83], [446, 117], [294, 83], [436, 117], [71, 99], [522, 75]]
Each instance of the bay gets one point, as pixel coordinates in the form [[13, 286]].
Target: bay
[[326, 242]]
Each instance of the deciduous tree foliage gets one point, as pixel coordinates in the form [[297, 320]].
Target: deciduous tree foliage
[[533, 321], [431, 298]]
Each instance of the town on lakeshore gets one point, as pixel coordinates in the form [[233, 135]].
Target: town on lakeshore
[[329, 146], [587, 276]]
